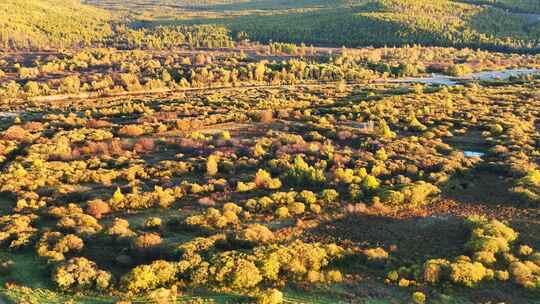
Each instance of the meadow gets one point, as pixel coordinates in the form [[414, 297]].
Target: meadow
[[226, 177], [240, 151]]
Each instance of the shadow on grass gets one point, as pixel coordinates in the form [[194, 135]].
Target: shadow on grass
[[415, 239]]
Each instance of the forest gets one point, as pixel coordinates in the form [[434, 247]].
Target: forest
[[521, 6], [269, 152], [492, 25]]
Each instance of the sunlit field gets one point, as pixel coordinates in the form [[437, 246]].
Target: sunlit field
[[181, 152]]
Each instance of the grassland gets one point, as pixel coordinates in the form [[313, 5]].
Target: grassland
[[156, 151], [228, 176]]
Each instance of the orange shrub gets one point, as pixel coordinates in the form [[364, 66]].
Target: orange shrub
[[147, 241], [17, 133], [131, 130], [97, 208]]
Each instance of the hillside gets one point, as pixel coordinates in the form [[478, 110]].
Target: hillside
[[353, 23], [391, 22], [497, 25], [50, 23]]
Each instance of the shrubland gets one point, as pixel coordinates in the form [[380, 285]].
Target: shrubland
[[303, 173]]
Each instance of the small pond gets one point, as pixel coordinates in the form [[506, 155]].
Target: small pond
[[469, 153]]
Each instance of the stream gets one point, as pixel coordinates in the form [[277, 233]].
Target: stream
[[440, 79]]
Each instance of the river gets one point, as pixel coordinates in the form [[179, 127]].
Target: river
[[439, 79]]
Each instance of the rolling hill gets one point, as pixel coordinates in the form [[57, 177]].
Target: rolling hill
[[474, 23], [496, 25], [50, 24]]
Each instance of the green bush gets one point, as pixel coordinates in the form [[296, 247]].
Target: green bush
[[307, 197], [264, 180], [80, 273], [485, 257], [214, 219], [296, 259], [282, 212], [148, 277], [212, 165], [200, 244], [80, 223], [17, 230], [526, 274], [489, 235], [233, 270], [256, 233], [435, 270], [329, 196], [376, 255], [418, 297], [297, 208], [120, 228], [271, 296], [152, 222], [302, 174], [334, 276], [54, 245], [467, 273], [370, 184], [528, 187]]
